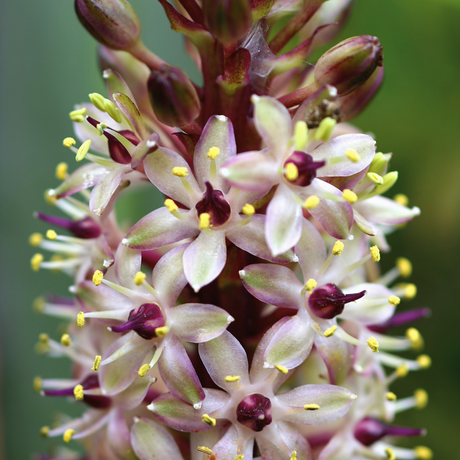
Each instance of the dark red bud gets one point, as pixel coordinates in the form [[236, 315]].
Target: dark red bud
[[254, 412]]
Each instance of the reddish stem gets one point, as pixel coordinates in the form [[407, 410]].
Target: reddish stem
[[297, 97], [141, 52]]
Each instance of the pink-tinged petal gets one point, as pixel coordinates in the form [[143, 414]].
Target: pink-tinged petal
[[364, 225], [273, 284], [254, 171], [335, 216], [126, 356], [183, 417], [134, 395], [127, 264], [178, 373], [118, 435], [273, 123], [343, 445], [385, 211], [218, 132], [116, 84], [227, 447], [291, 345], [311, 250], [131, 112], [283, 226], [158, 168], [205, 258], [168, 276], [204, 438], [251, 238], [151, 441], [336, 148], [225, 356], [84, 177], [103, 191], [144, 148], [100, 298], [334, 403], [101, 255], [197, 323], [157, 229]]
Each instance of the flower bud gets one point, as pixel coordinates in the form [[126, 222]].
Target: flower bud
[[173, 96], [349, 64], [114, 23], [227, 20]]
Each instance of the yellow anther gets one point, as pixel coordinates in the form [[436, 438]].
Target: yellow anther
[[282, 369], [204, 449], [293, 455], [311, 202], [413, 335], [352, 155], [78, 115], [404, 266], [66, 340], [51, 235], [81, 111], [248, 209], [330, 332], [337, 248], [139, 278], [35, 262], [80, 319], [180, 171], [423, 453], [239, 457], [300, 135], [349, 196], [205, 220], [35, 239], [310, 284], [291, 171], [83, 150], [394, 300], [37, 384], [112, 110], [98, 276], [209, 420], [172, 207], [421, 398], [49, 197], [232, 378], [69, 141], [375, 178], [402, 371], [61, 170], [401, 199], [43, 338], [311, 407], [410, 291], [375, 253], [161, 331], [424, 361], [78, 393], [98, 101], [213, 152], [373, 344], [68, 435], [390, 396], [96, 363], [143, 370], [44, 430], [324, 130], [38, 304], [390, 453]]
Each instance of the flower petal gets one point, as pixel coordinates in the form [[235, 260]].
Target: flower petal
[[118, 435], [103, 191], [227, 447], [100, 298], [127, 264], [101, 255], [131, 112], [385, 211], [364, 225], [133, 395]]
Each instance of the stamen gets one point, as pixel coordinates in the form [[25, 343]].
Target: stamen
[[394, 300], [311, 407], [180, 171], [300, 135], [83, 150], [424, 361], [112, 110], [375, 178], [37, 384], [337, 248], [162, 331], [213, 152], [402, 371], [310, 284], [423, 453], [401, 199], [410, 291], [375, 253], [248, 210], [373, 344], [291, 171], [232, 378], [68, 435], [143, 370], [352, 155], [330, 332], [98, 276], [139, 278], [205, 450], [101, 127], [421, 398], [69, 141], [78, 393], [404, 266], [81, 319], [390, 396], [61, 170], [390, 453], [77, 115], [415, 338], [205, 219], [172, 207], [35, 239], [44, 430], [97, 100], [324, 130], [35, 262], [209, 420], [239, 457], [51, 235], [293, 455], [349, 196], [311, 202], [97, 363], [65, 340], [282, 369]]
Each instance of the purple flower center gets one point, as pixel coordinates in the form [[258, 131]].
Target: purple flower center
[[305, 166], [215, 205], [328, 301], [254, 412], [144, 321]]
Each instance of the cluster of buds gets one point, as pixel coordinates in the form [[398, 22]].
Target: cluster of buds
[[265, 252]]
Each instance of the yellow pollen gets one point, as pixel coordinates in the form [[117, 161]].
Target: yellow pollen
[[300, 135], [349, 196], [390, 396], [373, 344], [97, 100], [172, 207], [43, 338], [143, 370], [239, 457], [44, 430], [35, 239], [375, 253], [292, 173], [51, 235], [98, 276], [330, 332], [424, 453], [69, 141], [232, 378], [394, 300], [80, 319], [337, 248], [37, 384], [410, 291], [404, 266], [96, 363], [213, 152], [180, 171], [204, 449], [205, 221], [77, 115], [311, 202], [324, 130], [402, 371], [78, 393], [390, 453], [83, 150], [421, 398], [139, 278], [209, 420], [35, 262], [311, 284], [424, 361], [413, 335], [311, 407], [68, 435], [352, 155], [112, 110], [61, 170], [38, 304], [65, 340], [293, 455], [375, 178], [401, 199], [161, 331], [248, 209], [282, 369]]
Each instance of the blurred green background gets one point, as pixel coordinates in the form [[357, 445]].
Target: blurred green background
[[48, 63]]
